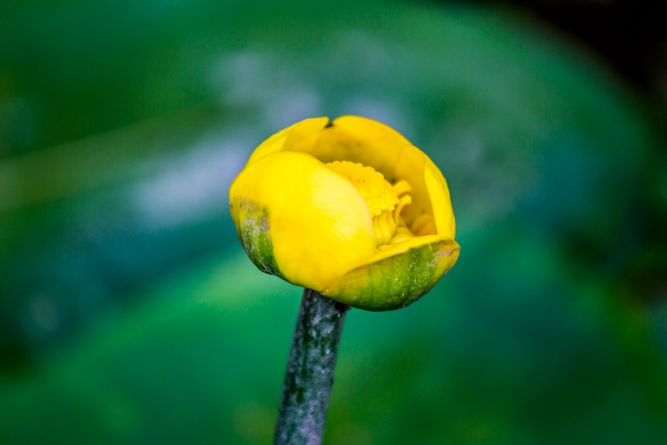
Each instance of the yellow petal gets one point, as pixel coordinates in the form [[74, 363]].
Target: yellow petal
[[302, 134], [368, 142], [319, 226], [362, 140], [438, 192], [398, 248]]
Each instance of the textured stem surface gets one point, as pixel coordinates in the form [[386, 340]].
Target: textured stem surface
[[310, 371]]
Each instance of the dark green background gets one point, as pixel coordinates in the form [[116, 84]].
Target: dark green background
[[130, 315]]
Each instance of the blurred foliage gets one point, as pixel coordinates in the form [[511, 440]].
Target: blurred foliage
[[128, 313]]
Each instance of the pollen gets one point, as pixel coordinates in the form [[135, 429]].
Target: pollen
[[385, 201]]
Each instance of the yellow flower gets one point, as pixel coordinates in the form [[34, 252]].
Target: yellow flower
[[348, 208]]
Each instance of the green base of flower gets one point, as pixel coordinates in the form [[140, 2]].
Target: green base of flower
[[397, 281]]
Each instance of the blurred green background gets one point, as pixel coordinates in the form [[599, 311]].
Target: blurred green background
[[129, 313]]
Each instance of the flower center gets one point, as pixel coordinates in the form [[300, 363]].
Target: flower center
[[384, 200]]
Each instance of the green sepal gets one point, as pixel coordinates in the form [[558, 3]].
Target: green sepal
[[252, 227], [397, 281]]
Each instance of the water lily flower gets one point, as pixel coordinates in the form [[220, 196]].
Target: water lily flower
[[350, 209]]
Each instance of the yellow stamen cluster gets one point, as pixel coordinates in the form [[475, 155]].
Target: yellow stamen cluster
[[384, 200]]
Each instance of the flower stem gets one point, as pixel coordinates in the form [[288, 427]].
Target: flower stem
[[310, 371]]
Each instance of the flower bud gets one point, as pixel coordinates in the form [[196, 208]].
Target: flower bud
[[350, 209]]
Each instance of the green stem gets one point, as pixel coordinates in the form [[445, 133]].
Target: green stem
[[310, 371]]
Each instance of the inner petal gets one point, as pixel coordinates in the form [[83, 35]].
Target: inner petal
[[385, 201]]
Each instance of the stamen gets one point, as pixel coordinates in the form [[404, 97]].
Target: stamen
[[385, 201], [404, 201], [402, 187]]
